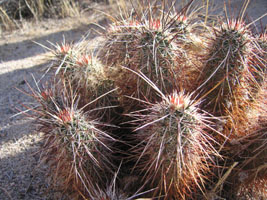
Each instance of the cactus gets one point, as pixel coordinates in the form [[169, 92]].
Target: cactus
[[174, 146], [227, 76], [76, 66], [164, 96], [226, 64], [76, 144], [146, 44]]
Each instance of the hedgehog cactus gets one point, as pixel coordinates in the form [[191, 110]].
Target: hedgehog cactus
[[145, 45], [146, 48], [76, 144], [227, 76], [226, 65], [160, 47], [85, 73], [141, 88], [174, 148], [88, 77]]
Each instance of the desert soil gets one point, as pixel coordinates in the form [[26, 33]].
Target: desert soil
[[22, 59]]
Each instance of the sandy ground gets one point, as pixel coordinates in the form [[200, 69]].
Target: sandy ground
[[21, 174]]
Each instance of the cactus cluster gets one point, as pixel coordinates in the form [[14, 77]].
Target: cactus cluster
[[166, 105]]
